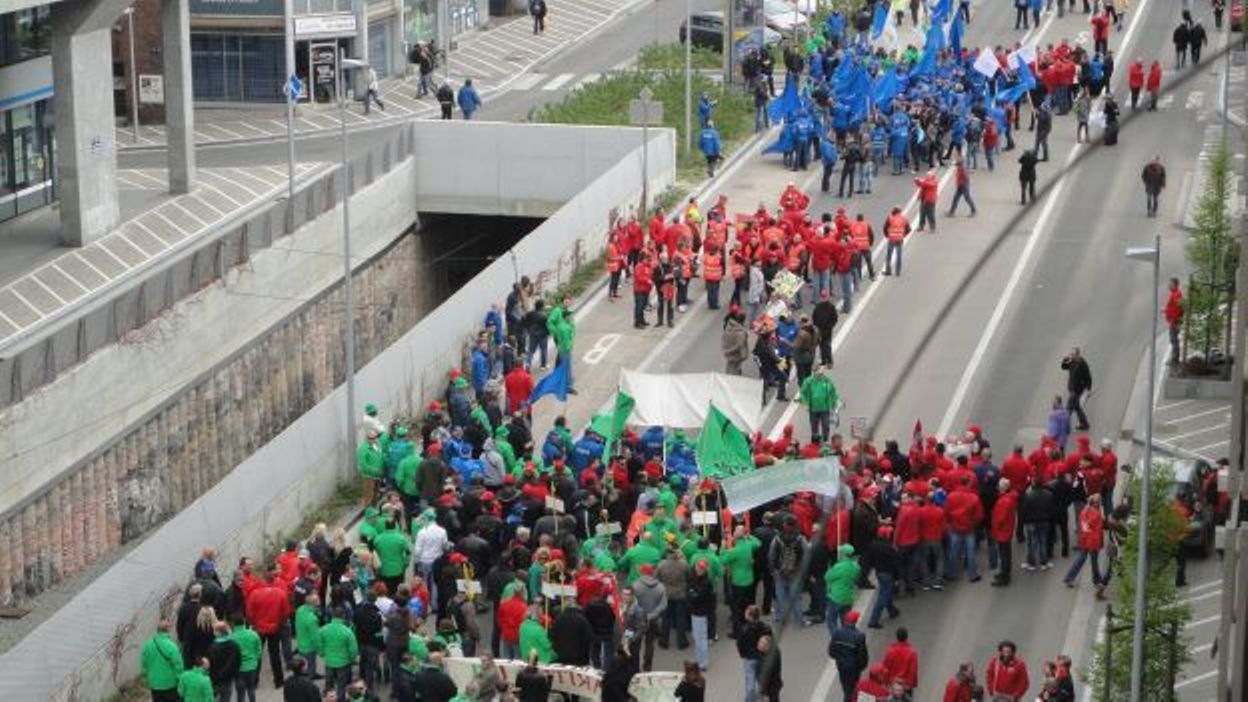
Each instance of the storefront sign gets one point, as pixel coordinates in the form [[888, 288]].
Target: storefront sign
[[566, 679], [324, 58], [749, 490], [242, 8], [151, 89], [335, 25]]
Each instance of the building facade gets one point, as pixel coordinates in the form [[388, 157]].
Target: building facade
[[27, 151]]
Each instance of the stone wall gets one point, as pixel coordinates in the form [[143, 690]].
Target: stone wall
[[183, 448]]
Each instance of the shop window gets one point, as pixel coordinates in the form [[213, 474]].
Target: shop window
[[378, 41], [25, 34]]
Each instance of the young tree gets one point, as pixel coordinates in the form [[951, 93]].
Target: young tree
[[1213, 253], [1164, 610]]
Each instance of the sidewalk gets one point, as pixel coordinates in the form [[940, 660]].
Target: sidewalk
[[493, 58]]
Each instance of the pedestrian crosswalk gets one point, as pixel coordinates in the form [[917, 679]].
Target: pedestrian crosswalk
[[558, 81], [551, 82]]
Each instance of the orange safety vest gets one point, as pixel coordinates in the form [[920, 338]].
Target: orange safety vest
[[795, 258], [713, 267], [737, 269], [896, 227], [614, 260], [860, 232]]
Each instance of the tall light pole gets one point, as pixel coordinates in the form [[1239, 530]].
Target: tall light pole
[[291, 98], [348, 302], [134, 74], [688, 76], [1151, 254]]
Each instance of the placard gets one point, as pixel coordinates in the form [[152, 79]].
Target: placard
[[469, 587], [554, 504], [553, 590], [705, 518], [570, 680], [151, 89], [608, 529]]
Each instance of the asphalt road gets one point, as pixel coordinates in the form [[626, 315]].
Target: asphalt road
[[1060, 280]]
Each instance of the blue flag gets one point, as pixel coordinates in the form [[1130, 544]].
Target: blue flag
[[927, 63], [787, 104], [556, 383], [1026, 81], [940, 13], [886, 88], [935, 38], [880, 19], [859, 96], [956, 31]]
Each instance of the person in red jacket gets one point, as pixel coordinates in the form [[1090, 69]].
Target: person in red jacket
[[643, 283], [1100, 32], [519, 386], [961, 687], [875, 685], [1153, 85], [929, 188], [1174, 319], [1135, 80], [1091, 539], [268, 610], [1002, 528], [901, 661], [511, 614], [907, 536], [964, 512], [1006, 674], [1017, 469], [932, 535]]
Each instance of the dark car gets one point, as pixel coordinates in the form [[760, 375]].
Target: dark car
[[708, 33], [1191, 479]]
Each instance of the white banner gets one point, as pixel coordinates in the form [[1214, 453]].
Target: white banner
[[582, 682], [682, 400], [749, 490], [986, 63]]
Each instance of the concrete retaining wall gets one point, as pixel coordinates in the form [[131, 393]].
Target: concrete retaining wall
[[270, 489]]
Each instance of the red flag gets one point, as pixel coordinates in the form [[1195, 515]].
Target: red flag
[[916, 438]]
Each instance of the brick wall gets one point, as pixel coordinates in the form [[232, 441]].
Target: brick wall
[[147, 55], [181, 450]]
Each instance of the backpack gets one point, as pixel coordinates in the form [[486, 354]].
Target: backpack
[[789, 557]]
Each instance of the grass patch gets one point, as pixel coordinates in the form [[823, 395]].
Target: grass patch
[[657, 57], [605, 102], [587, 274], [131, 691]]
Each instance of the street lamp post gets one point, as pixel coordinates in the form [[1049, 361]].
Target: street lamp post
[[688, 76], [1153, 255], [134, 74], [348, 301], [291, 98]]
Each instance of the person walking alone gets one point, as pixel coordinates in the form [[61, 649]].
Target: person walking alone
[[1154, 177], [929, 189], [1027, 176], [848, 649], [708, 142], [537, 8], [1090, 541], [896, 229], [1174, 319], [962, 179], [1078, 385], [373, 93]]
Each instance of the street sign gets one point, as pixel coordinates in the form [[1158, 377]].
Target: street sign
[[639, 115], [293, 88], [151, 89]]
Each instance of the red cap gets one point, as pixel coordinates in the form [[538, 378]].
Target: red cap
[[455, 373], [488, 496], [646, 569], [458, 558], [653, 470], [509, 479], [851, 617], [435, 406]]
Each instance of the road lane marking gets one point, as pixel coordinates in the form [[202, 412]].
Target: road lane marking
[[1198, 678], [528, 81], [1196, 598], [585, 80], [1202, 621], [600, 349], [559, 81]]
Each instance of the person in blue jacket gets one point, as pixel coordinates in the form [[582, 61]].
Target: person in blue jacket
[[709, 143], [829, 155], [705, 106], [585, 451], [469, 101], [480, 368]]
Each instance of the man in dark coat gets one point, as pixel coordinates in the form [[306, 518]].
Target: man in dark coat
[[1154, 177], [1078, 382], [571, 636]]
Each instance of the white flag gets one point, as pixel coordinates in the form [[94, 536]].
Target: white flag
[[1027, 53], [986, 63]]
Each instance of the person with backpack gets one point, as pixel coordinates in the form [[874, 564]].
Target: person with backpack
[[784, 559], [884, 558], [537, 8], [848, 649]]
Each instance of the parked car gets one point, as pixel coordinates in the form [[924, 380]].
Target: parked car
[[708, 32], [784, 17], [1192, 481]]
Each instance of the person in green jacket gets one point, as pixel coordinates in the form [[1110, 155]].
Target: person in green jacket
[[645, 552], [821, 400], [563, 330], [506, 450], [308, 630], [394, 550], [740, 562], [371, 526], [371, 464], [841, 585], [407, 480], [340, 650], [161, 663], [533, 639], [194, 685], [249, 665]]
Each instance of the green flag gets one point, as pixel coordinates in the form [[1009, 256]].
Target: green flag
[[723, 450], [609, 425]]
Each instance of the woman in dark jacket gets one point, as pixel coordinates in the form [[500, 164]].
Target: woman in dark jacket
[[615, 681], [692, 687]]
